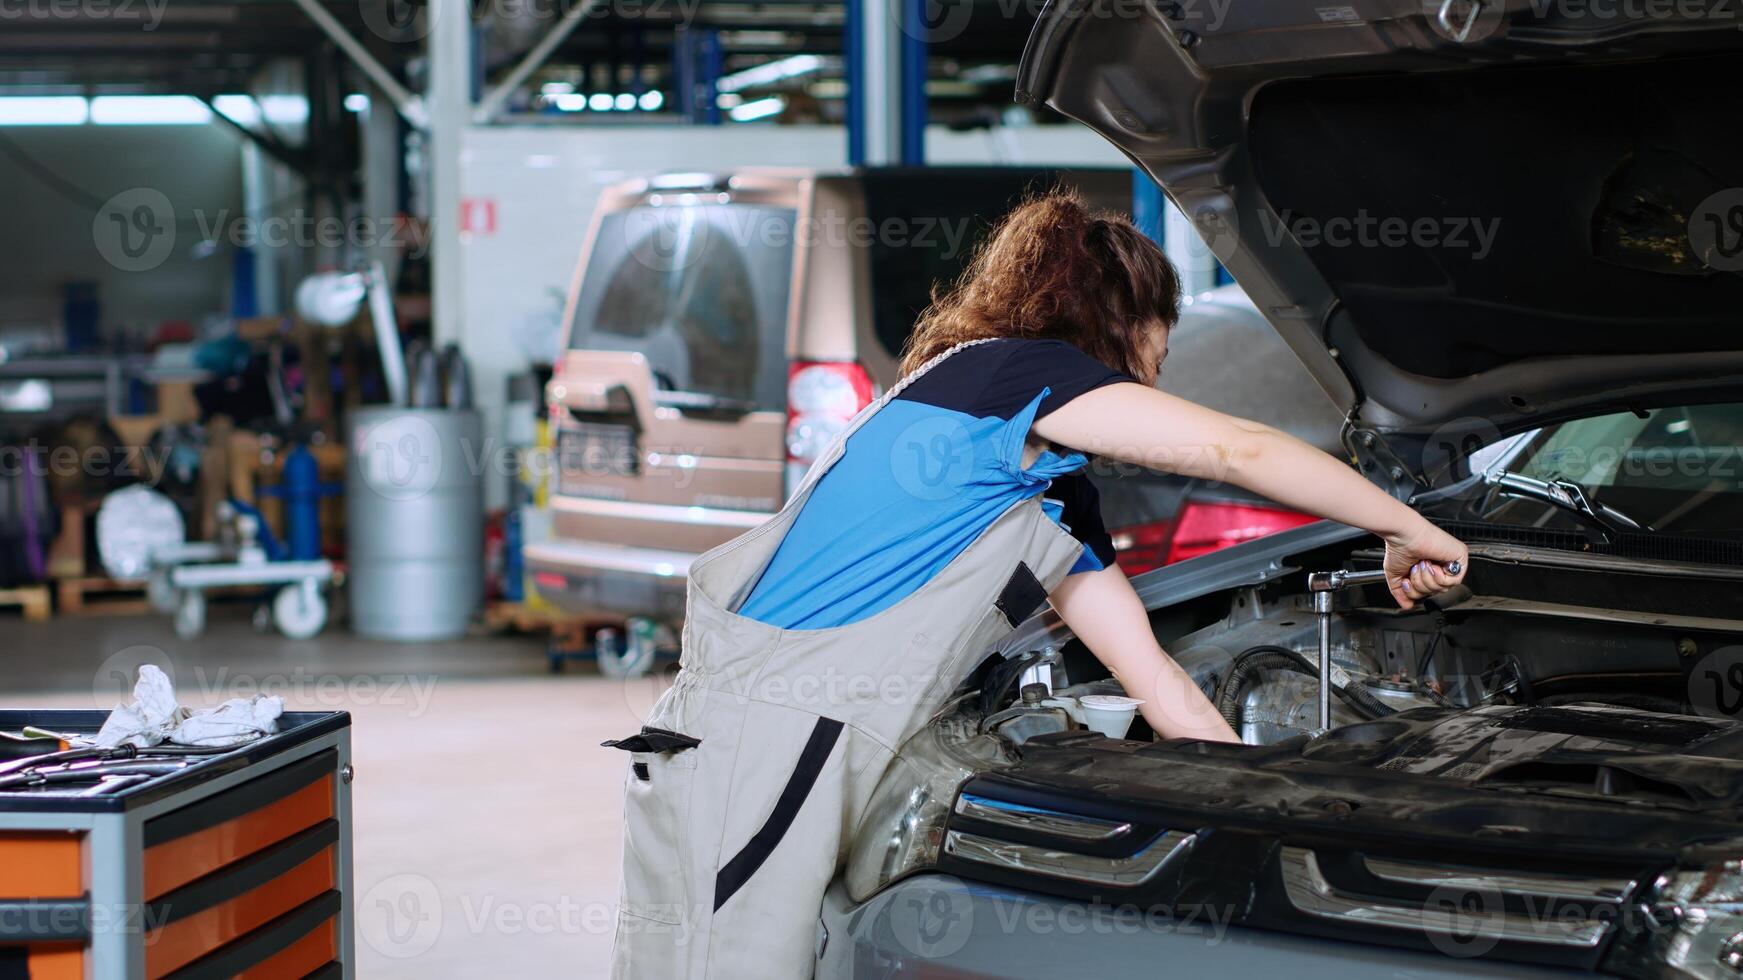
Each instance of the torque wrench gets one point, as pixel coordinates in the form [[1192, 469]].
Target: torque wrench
[[1325, 586]]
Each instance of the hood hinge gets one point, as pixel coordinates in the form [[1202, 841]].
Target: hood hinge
[[1376, 460]]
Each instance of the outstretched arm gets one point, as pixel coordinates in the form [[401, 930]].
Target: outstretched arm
[[1104, 612], [1137, 424]]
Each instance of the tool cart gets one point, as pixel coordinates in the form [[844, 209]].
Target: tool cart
[[207, 863]]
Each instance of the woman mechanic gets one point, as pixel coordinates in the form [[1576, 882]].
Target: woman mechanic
[[949, 511]]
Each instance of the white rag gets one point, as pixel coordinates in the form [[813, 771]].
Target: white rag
[[154, 716]]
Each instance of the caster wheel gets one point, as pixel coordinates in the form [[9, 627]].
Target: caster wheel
[[191, 614], [299, 610], [628, 652]]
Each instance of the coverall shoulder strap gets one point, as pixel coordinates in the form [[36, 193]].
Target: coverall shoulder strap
[[834, 451]]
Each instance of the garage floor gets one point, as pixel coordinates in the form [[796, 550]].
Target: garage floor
[[486, 814]]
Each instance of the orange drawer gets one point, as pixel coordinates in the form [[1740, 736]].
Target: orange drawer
[[41, 864]]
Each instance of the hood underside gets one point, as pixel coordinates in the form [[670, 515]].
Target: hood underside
[[1543, 219]]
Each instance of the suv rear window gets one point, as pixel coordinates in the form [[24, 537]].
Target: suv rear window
[[940, 214], [700, 290]]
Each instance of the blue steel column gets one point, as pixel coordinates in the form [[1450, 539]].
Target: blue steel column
[[915, 31], [853, 53], [709, 80], [697, 61], [886, 46], [1148, 206]]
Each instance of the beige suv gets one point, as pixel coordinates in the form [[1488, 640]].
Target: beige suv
[[722, 330]]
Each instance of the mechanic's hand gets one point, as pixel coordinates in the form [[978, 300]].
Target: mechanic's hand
[[1416, 566]]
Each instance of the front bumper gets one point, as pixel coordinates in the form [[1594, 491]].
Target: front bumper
[[589, 578], [938, 926]]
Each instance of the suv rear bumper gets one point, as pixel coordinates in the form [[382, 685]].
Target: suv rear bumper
[[940, 926], [605, 579]]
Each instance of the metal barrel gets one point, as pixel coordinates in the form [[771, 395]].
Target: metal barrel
[[414, 509]]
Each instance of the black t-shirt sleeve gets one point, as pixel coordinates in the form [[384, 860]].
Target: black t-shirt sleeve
[[1081, 513], [1000, 379], [1031, 365]]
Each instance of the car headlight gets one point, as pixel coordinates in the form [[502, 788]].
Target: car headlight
[[903, 825], [1693, 929]]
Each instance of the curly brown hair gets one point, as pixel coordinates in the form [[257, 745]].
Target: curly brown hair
[[1053, 269]]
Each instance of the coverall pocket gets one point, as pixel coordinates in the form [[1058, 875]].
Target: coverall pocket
[[656, 846]]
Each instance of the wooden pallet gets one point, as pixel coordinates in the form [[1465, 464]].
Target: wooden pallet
[[94, 595], [519, 618], [33, 599]]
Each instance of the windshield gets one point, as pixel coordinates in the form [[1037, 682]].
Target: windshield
[[1674, 470], [700, 290]]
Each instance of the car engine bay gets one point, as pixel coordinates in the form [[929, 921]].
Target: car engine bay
[[1513, 669]]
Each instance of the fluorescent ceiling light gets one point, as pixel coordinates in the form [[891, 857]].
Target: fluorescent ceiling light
[[599, 101], [357, 102], [239, 109], [759, 109], [570, 102], [148, 110], [279, 110], [651, 101], [556, 88], [44, 110], [770, 71], [624, 102]]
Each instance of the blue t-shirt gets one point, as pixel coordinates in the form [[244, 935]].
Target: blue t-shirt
[[921, 479]]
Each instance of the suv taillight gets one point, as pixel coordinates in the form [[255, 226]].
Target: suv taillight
[[822, 397], [1199, 529]]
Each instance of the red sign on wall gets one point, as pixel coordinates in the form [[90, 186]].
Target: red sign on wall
[[478, 215]]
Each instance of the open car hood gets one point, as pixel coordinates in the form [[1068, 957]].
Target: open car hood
[[1541, 220]]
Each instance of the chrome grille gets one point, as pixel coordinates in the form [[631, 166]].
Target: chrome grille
[[1311, 893]]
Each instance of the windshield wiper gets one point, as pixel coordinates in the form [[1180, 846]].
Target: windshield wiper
[[1568, 496]]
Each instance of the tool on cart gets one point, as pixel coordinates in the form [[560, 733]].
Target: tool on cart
[[73, 773], [25, 746], [100, 753], [1325, 586]]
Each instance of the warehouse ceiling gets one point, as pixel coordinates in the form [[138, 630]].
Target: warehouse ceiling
[[211, 47]]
